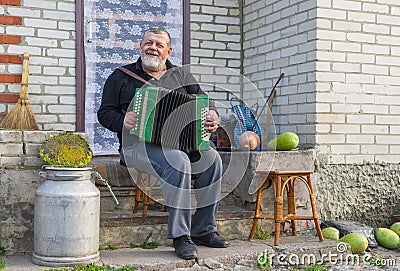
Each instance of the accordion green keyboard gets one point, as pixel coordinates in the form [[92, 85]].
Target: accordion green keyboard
[[171, 119]]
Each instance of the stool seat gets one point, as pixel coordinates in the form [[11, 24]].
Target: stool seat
[[281, 181]]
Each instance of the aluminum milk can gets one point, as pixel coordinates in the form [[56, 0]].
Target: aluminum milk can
[[66, 218]]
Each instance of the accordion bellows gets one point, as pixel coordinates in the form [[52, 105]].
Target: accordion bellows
[[171, 119]]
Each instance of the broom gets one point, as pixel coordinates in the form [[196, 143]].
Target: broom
[[21, 116]]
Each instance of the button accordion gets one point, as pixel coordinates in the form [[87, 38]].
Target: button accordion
[[171, 119]]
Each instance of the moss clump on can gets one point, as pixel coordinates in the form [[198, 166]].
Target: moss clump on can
[[66, 149]]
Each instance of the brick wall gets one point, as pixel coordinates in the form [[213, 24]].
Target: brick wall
[[341, 93], [216, 47], [358, 75], [46, 30], [280, 37]]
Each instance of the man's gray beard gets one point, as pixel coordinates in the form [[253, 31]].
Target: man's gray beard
[[152, 64]]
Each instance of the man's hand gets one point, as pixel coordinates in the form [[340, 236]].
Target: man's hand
[[212, 121], [130, 120]]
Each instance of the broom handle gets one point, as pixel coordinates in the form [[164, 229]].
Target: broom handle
[[23, 93]]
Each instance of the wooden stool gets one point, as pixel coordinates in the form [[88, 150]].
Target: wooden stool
[[144, 186], [282, 180]]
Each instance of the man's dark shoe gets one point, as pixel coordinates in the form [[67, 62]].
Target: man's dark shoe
[[185, 248], [211, 240]]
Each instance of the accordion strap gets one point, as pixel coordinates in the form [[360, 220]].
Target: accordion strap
[[134, 75]]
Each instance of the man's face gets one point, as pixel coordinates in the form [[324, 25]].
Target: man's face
[[154, 51]]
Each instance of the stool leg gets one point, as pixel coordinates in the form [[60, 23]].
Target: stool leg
[[137, 199], [291, 203], [314, 208], [278, 208], [258, 205]]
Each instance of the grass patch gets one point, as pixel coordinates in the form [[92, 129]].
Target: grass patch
[[2, 264], [109, 247], [262, 235], [146, 244]]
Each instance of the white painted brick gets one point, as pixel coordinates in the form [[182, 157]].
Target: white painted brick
[[213, 27], [332, 14], [388, 158], [395, 71], [202, 52], [201, 18], [375, 8], [322, 128], [59, 127], [24, 12], [374, 109], [39, 23], [67, 118], [375, 49], [394, 130], [347, 26], [379, 29], [385, 139], [360, 58], [11, 149], [53, 34], [331, 56], [56, 109], [331, 118], [374, 129], [329, 138], [41, 42], [227, 54], [393, 109], [45, 80], [388, 20], [214, 10], [7, 136], [59, 90], [227, 20], [347, 5], [59, 15], [226, 3], [360, 17], [19, 30], [360, 119], [19, 49], [345, 129], [360, 37], [331, 35], [390, 120], [345, 149], [54, 70], [346, 67], [40, 4], [360, 139], [390, 80], [61, 53], [345, 108], [227, 37], [374, 69], [66, 6], [331, 76], [66, 62], [388, 40], [66, 26]]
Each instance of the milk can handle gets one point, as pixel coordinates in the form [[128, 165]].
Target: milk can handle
[[42, 174], [79, 175]]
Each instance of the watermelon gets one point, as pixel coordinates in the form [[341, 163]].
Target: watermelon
[[387, 238], [357, 242], [330, 233], [284, 142], [396, 228]]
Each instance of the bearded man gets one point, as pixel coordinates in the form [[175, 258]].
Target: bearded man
[[174, 168]]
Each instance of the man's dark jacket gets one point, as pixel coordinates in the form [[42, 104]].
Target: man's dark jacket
[[120, 88]]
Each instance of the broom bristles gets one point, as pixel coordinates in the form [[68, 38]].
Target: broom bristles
[[20, 117]]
